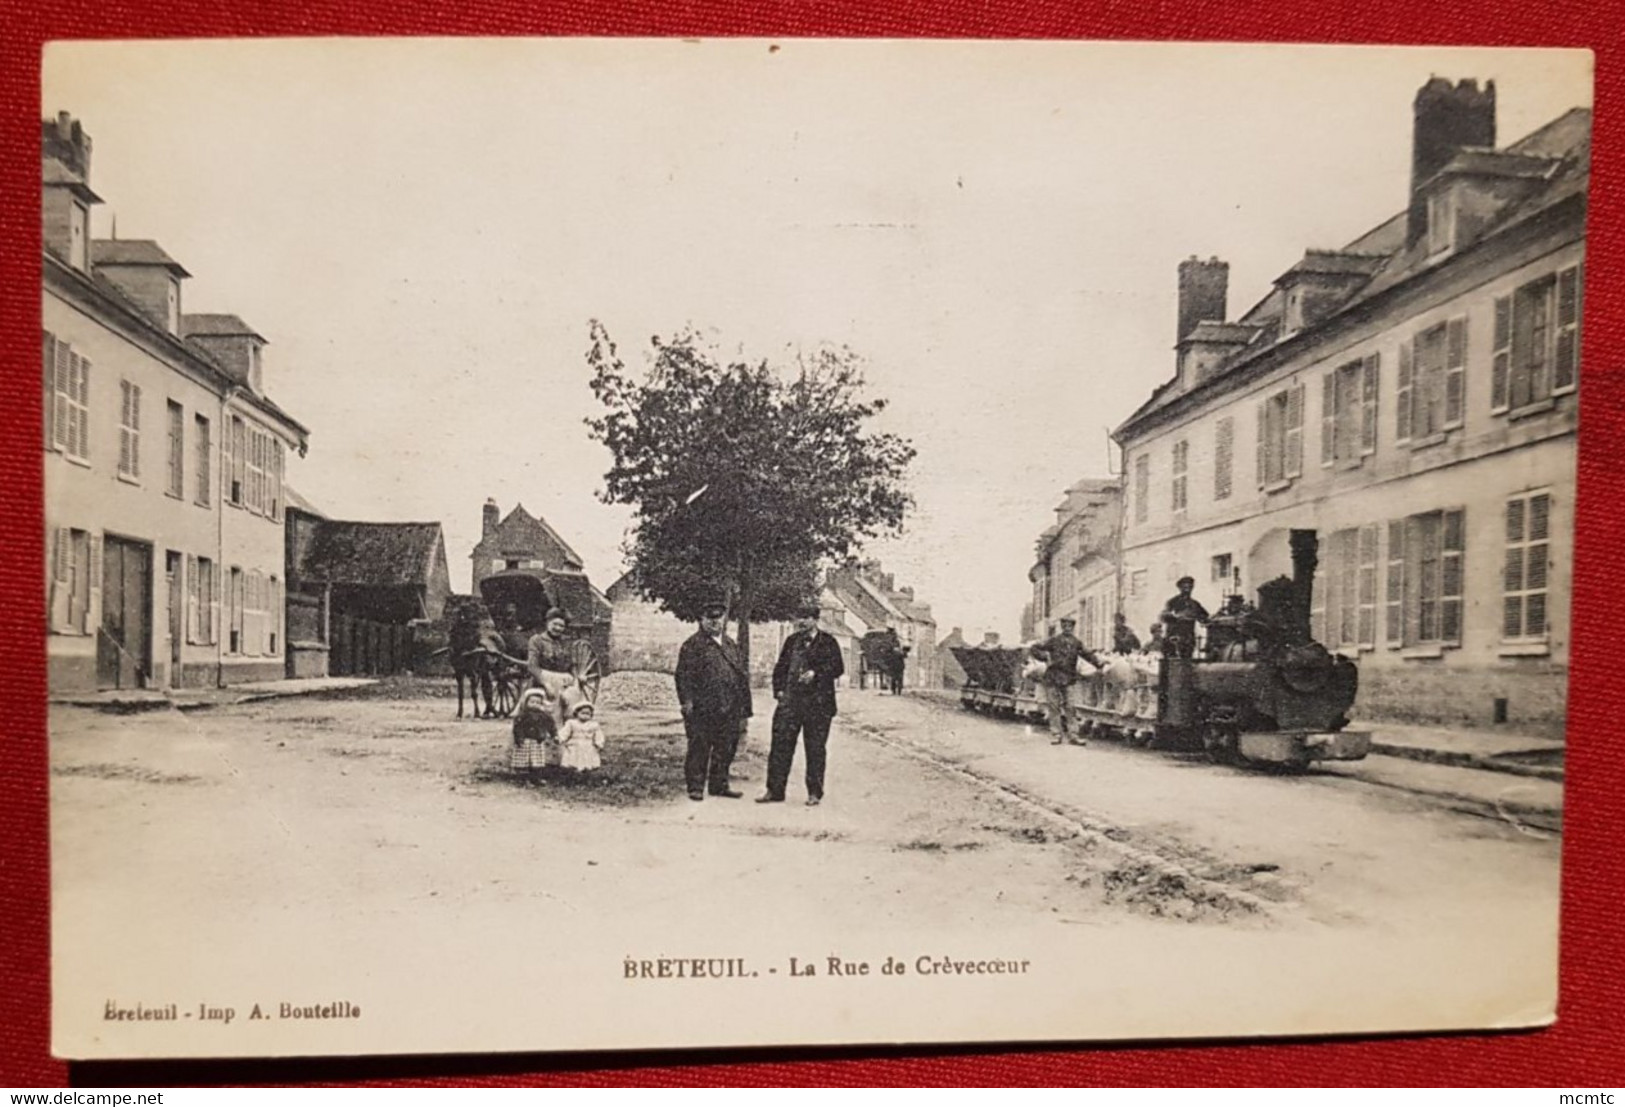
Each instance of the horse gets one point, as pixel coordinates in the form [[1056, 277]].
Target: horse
[[471, 662]]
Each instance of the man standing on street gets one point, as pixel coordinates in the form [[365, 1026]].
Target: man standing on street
[[1061, 653], [714, 690], [1179, 618], [804, 684]]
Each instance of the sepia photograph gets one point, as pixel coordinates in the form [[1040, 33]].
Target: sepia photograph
[[563, 545]]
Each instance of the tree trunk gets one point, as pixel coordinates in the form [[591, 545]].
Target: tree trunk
[[742, 611]]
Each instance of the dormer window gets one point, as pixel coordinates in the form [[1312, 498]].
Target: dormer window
[[78, 239], [1441, 222], [172, 315]]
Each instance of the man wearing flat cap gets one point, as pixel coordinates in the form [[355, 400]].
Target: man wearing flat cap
[[713, 688], [1179, 618], [1060, 654], [804, 684]]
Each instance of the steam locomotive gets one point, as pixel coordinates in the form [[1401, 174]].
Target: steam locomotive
[[1260, 691]]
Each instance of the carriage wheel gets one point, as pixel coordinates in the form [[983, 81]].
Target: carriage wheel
[[504, 691], [588, 672]]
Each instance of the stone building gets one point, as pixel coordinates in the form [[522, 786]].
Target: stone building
[[518, 540], [872, 603], [1074, 574], [164, 459], [1405, 404]]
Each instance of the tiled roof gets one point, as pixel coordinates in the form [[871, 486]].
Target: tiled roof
[[380, 554], [1562, 146], [55, 173], [212, 325], [1234, 333], [133, 251], [298, 503]]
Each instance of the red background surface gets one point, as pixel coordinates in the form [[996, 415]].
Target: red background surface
[[1581, 1050]]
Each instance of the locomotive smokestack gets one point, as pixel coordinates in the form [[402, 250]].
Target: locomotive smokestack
[[1305, 557]]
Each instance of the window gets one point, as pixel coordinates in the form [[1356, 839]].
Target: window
[[202, 594], [1441, 223], [1537, 341], [75, 560], [177, 450], [1182, 453], [273, 617], [129, 430], [1528, 537], [1280, 437], [203, 447], [1345, 597], [236, 445], [67, 399], [1137, 581], [1348, 412], [1432, 380], [511, 563], [1221, 569], [234, 597], [1142, 488], [254, 495], [273, 482], [1424, 597], [1224, 451]]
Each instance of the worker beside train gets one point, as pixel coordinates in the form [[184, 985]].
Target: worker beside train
[[1060, 653], [1179, 618]]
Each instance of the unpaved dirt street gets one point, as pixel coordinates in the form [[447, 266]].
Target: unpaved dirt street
[[308, 836]]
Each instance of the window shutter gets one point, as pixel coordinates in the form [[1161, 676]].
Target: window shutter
[[135, 425], [1369, 371], [1294, 431], [79, 416], [1451, 581], [1394, 622], [1328, 418], [1402, 398], [1566, 364], [1455, 372], [1367, 586], [214, 606], [62, 417], [93, 607], [1501, 364], [192, 628], [61, 578], [1263, 442], [49, 407], [228, 464]]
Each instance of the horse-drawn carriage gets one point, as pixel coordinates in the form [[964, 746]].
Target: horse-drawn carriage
[[489, 636]]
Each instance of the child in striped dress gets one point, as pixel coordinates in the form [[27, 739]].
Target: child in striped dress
[[534, 733]]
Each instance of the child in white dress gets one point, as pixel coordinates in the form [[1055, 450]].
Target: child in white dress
[[580, 740]]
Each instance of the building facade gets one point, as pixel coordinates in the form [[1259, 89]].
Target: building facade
[[1405, 408], [1075, 572], [164, 460], [518, 540]]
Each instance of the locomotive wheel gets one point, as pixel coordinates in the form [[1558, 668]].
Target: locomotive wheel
[[504, 692], [588, 672]]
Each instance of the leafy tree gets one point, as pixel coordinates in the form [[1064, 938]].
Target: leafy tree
[[745, 478]]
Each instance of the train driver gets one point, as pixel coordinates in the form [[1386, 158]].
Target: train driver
[[1179, 618]]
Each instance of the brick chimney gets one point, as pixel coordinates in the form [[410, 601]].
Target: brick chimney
[[1447, 117], [490, 516], [1204, 291], [66, 195]]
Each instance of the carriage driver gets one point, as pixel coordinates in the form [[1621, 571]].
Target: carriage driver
[[1179, 618]]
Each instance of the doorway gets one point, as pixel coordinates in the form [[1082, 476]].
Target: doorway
[[175, 589], [124, 643]]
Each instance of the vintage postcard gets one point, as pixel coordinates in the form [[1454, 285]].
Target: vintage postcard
[[566, 545]]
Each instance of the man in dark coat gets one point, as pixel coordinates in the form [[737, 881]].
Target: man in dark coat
[[714, 691], [1179, 618], [804, 684], [1124, 640], [1060, 654]]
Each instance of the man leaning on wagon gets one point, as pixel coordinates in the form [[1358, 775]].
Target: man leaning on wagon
[[1060, 654]]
